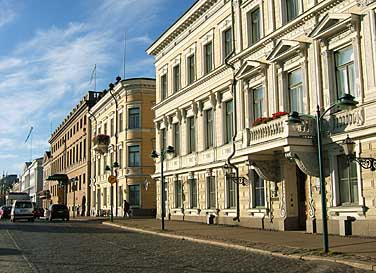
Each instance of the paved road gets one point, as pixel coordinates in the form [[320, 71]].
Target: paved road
[[91, 247]]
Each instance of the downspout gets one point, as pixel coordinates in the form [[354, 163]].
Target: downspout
[[233, 88], [118, 79]]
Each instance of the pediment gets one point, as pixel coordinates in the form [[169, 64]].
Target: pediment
[[331, 23], [249, 68], [284, 49]]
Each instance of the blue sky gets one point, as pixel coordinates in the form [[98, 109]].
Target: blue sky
[[48, 49]]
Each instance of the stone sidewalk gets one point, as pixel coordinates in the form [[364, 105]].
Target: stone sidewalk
[[354, 251]]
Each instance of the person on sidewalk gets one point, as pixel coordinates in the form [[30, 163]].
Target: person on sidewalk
[[126, 209]]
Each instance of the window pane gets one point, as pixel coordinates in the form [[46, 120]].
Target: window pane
[[134, 118], [178, 194], [134, 156], [177, 139], [176, 78], [345, 74], [134, 195], [163, 87], [193, 188], [295, 89], [208, 57], [209, 128], [254, 26], [211, 192], [258, 101], [191, 69], [292, 9], [259, 190], [227, 41], [191, 135], [348, 181], [229, 122]]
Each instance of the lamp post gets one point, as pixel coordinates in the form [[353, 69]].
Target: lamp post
[[112, 179], [74, 188], [345, 102], [161, 155]]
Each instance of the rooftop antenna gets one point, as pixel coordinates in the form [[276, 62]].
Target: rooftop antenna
[[94, 76], [31, 142], [125, 50]]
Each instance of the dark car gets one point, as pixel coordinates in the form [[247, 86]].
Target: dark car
[[5, 211], [58, 211], [38, 212]]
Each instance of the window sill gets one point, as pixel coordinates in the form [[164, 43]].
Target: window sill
[[192, 211], [229, 212], [257, 212], [211, 211], [177, 211], [341, 212]]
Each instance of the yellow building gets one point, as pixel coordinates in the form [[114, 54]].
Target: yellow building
[[228, 73], [71, 153], [124, 120]]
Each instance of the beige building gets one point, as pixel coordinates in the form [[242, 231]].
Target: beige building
[[282, 56], [122, 123], [70, 152], [44, 194]]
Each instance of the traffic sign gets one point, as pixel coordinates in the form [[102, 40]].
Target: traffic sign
[[112, 179]]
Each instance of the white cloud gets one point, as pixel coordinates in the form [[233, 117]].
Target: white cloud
[[7, 13]]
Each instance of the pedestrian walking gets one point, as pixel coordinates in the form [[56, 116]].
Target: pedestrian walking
[[126, 209]]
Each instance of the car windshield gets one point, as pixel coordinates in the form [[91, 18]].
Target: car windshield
[[23, 205], [62, 207]]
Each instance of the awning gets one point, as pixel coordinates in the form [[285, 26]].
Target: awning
[[63, 178], [45, 194]]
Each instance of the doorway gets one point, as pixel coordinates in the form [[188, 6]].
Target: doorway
[[301, 179]]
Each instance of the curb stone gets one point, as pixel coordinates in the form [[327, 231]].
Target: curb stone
[[360, 265]]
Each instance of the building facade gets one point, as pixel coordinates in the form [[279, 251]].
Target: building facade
[[32, 179], [228, 73], [124, 117], [70, 158], [45, 194]]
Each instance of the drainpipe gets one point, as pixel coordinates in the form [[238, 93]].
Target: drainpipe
[[233, 88]]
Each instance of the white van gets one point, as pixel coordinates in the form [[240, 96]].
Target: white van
[[22, 209]]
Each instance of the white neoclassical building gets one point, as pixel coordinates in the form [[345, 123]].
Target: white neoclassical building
[[228, 72]]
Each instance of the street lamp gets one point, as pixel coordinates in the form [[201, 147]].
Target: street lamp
[[345, 102], [365, 162], [154, 155], [74, 182], [112, 179]]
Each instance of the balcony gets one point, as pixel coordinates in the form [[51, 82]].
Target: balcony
[[276, 134], [100, 143]]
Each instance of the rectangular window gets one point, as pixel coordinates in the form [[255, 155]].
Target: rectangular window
[[227, 42], [134, 195], [229, 121], [178, 194], [292, 8], [258, 102], [120, 157], [191, 69], [254, 26], [295, 89], [163, 87], [209, 128], [176, 82], [193, 192], [211, 192], [112, 129], [191, 135], [84, 148], [208, 57], [345, 71], [177, 138], [120, 196], [259, 190], [105, 197], [348, 181], [231, 193], [134, 156], [121, 122], [163, 139], [134, 118], [105, 128]]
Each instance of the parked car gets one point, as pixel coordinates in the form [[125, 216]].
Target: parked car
[[22, 209], [5, 211], [57, 211], [38, 212]]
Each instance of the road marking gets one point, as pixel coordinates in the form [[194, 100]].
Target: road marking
[[23, 256]]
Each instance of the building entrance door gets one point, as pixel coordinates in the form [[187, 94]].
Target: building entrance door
[[301, 179]]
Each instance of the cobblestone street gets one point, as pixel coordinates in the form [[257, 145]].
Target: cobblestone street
[[92, 247]]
